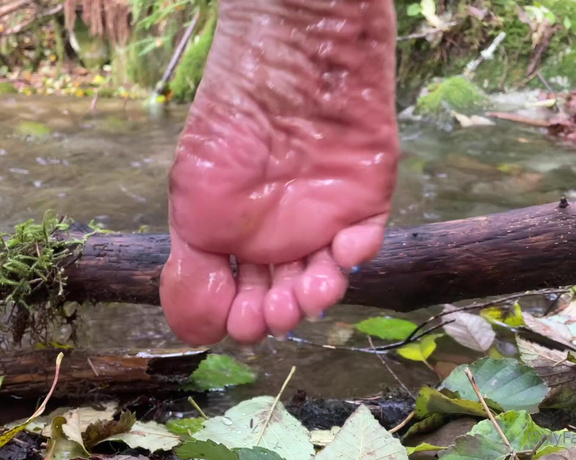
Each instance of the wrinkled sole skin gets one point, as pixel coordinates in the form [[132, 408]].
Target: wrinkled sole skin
[[287, 161]]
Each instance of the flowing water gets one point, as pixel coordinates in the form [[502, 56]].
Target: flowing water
[[110, 166]]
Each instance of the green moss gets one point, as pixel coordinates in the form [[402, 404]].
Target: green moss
[[190, 70], [33, 129], [30, 261], [7, 88], [458, 93], [93, 51]]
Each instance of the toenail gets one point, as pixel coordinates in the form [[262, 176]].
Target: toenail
[[281, 337], [355, 269]]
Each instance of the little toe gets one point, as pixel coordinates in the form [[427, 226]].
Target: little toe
[[196, 292], [359, 243], [281, 309], [246, 323], [322, 284]]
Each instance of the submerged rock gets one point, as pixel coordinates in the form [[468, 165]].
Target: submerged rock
[[7, 88]]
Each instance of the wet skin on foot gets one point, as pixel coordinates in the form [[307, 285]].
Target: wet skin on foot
[[287, 162]]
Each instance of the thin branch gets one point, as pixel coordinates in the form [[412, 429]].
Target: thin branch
[[389, 369], [12, 7], [489, 412]]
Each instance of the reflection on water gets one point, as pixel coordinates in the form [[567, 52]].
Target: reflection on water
[[111, 166]]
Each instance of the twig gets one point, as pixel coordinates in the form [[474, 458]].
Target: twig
[[389, 369], [403, 423], [197, 407], [275, 403], [537, 446], [486, 54], [489, 412]]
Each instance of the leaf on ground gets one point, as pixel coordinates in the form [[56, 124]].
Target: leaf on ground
[[363, 437], [555, 368], [510, 316], [549, 330], [220, 371], [208, 450], [386, 328], [72, 428], [104, 429], [484, 442], [424, 447], [421, 350], [151, 436], [509, 383], [431, 401], [185, 426], [86, 414], [7, 436], [257, 453], [61, 446], [429, 423], [470, 331], [243, 425]]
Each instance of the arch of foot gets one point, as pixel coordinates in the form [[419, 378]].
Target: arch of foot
[[287, 162]]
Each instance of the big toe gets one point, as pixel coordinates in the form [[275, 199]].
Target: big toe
[[196, 292], [359, 243], [322, 284]]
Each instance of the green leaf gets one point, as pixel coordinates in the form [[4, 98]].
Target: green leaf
[[510, 316], [431, 401], [257, 453], [421, 350], [484, 442], [245, 424], [428, 424], [220, 371], [61, 446], [413, 9], [424, 447], [208, 450], [567, 23], [1, 380], [509, 383], [363, 437], [185, 426], [386, 328]]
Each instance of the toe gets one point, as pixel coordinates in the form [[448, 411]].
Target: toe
[[281, 309], [359, 243], [322, 284], [246, 322], [196, 291]]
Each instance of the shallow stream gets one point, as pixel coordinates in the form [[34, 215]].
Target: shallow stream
[[110, 165]]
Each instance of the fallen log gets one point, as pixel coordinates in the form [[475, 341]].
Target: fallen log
[[523, 249], [30, 373]]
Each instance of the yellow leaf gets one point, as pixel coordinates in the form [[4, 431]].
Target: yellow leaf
[[421, 350]]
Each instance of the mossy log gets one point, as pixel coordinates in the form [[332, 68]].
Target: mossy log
[[529, 248], [31, 373]]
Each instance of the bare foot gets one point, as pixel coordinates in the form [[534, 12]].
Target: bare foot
[[287, 162]]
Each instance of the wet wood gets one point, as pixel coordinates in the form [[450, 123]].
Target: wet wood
[[30, 373], [524, 249]]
